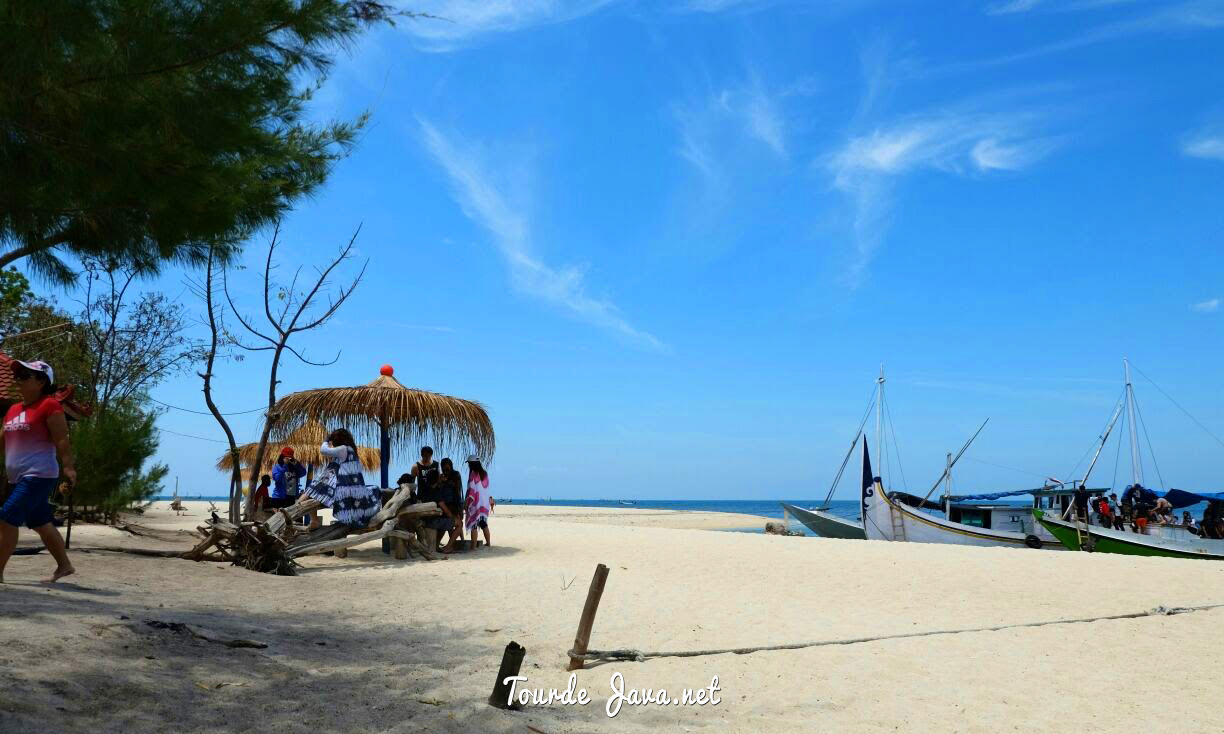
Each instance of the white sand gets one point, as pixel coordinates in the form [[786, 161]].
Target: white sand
[[369, 644]]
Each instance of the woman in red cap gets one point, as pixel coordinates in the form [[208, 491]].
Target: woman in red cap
[[35, 434]]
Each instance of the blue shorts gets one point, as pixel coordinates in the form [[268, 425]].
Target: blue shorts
[[28, 502]]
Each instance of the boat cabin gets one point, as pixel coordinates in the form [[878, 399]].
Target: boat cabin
[[992, 512]]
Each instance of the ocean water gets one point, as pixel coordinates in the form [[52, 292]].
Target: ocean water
[[848, 509]]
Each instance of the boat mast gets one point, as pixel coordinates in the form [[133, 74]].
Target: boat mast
[[948, 486], [1136, 461], [879, 417], [955, 459], [1101, 445]]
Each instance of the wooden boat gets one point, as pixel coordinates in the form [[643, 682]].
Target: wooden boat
[[1164, 541], [825, 524], [1168, 541], [967, 520], [887, 518]]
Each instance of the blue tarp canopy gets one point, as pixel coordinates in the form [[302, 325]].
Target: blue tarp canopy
[[992, 496], [1184, 498]]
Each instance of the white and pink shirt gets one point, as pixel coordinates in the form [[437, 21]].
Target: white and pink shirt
[[477, 504], [28, 449]]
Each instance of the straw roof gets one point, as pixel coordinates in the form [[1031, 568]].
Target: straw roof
[[412, 417], [305, 442]]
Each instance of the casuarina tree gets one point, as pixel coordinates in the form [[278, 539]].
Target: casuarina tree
[[162, 130]]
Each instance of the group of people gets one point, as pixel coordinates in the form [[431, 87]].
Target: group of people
[[341, 486], [1140, 508], [464, 512]]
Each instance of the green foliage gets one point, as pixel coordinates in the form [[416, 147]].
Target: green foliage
[[144, 132], [33, 328], [15, 297], [111, 450], [114, 352]]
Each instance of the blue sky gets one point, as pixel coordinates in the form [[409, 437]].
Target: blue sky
[[669, 244]]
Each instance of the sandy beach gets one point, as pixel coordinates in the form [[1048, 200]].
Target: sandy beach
[[370, 644]]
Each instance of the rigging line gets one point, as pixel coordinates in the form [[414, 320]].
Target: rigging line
[[35, 331], [1148, 437], [1118, 455], [205, 412], [1074, 470], [1179, 407], [1004, 466], [892, 428], [837, 479], [46, 339], [188, 435]]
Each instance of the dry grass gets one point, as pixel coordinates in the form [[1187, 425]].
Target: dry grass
[[412, 417], [305, 442]]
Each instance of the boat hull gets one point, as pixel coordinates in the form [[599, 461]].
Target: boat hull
[[826, 525], [886, 519], [1130, 544]]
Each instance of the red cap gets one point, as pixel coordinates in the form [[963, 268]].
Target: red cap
[[287, 451], [386, 370]]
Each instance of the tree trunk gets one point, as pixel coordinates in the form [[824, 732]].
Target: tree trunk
[[236, 475], [269, 419]]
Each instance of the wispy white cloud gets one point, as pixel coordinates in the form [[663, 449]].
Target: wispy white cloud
[[718, 6], [1205, 143], [1009, 7], [456, 22], [758, 114], [868, 166], [1211, 305], [710, 125], [489, 206], [992, 154], [1165, 17], [1012, 6]]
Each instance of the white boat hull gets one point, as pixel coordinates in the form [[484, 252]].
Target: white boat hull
[[884, 519]]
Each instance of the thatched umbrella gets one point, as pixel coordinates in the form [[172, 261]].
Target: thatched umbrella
[[305, 442], [386, 411]]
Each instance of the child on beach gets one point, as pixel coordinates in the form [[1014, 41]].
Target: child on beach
[[259, 502], [479, 504], [35, 432]]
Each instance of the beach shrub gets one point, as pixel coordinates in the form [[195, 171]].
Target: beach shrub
[[111, 451]]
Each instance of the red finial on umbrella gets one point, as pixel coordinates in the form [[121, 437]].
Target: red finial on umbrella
[[387, 370]]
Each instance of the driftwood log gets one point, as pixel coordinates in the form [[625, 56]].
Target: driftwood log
[[272, 546]]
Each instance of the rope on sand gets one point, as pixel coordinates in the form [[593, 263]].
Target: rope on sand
[[640, 656]]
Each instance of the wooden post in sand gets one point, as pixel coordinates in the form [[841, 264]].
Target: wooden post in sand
[[71, 512], [583, 637], [511, 662]]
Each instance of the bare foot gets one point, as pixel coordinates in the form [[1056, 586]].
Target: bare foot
[[60, 573]]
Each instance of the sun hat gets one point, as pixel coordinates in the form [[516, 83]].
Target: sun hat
[[36, 366], [287, 451]]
